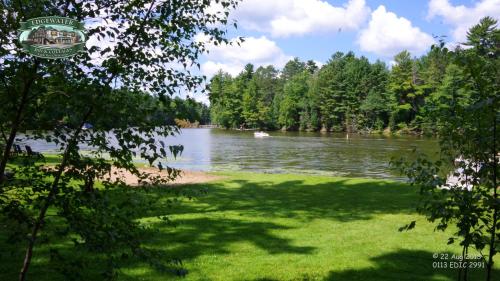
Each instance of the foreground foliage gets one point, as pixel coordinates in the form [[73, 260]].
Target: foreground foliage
[[467, 112], [136, 49]]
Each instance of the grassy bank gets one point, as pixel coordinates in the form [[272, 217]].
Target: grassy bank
[[283, 227]]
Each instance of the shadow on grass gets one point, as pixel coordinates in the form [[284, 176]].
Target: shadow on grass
[[411, 265], [339, 199], [204, 228], [207, 235], [48, 159], [210, 224]]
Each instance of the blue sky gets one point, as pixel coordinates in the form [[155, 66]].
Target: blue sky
[[277, 30]]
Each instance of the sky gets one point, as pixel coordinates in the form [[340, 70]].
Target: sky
[[277, 30]]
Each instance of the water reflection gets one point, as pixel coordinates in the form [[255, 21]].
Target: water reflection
[[287, 152]]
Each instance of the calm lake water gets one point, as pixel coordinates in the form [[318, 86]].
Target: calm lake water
[[287, 152]]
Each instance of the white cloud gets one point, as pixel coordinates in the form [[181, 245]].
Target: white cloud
[[232, 58], [387, 34], [282, 18], [461, 18], [319, 63]]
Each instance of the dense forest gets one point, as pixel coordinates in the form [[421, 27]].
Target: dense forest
[[348, 93], [166, 110], [186, 112], [183, 112]]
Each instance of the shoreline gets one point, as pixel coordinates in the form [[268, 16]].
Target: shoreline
[[385, 132], [184, 177], [187, 177]]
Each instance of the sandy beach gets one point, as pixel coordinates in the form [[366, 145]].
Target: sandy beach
[[185, 177]]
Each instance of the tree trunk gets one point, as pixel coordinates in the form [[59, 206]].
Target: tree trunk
[[40, 219], [16, 123], [495, 196], [50, 197], [53, 190], [55, 183]]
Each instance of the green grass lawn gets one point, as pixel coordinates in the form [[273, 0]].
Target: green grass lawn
[[285, 227], [48, 159]]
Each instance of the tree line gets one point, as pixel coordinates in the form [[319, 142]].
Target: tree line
[[348, 93], [173, 111], [164, 110]]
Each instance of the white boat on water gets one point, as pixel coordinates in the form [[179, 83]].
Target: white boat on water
[[260, 134]]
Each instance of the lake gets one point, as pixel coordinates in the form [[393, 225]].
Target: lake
[[289, 152]]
